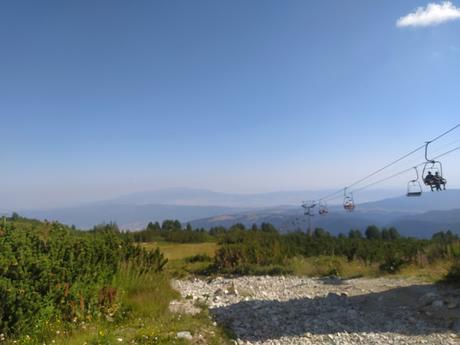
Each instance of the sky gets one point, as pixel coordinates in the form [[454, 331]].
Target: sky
[[105, 97]]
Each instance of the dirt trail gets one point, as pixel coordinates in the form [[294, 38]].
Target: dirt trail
[[293, 310]]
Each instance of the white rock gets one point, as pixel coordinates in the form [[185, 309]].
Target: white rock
[[300, 311], [184, 335]]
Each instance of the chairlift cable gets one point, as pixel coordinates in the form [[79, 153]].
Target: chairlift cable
[[330, 196], [445, 133], [403, 157], [439, 149], [448, 152], [396, 174], [404, 171], [387, 166], [386, 178]]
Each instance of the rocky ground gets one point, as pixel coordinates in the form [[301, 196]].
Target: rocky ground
[[293, 310]]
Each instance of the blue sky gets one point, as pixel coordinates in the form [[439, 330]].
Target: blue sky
[[100, 98]]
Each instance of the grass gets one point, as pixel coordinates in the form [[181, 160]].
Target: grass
[[179, 255], [327, 265], [433, 272], [140, 316], [177, 251]]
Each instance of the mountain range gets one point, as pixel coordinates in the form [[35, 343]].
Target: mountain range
[[134, 211], [418, 217], [204, 208], [204, 197]]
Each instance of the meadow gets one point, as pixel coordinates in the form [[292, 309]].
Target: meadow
[[178, 251]]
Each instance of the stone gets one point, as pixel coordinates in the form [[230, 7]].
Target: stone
[[219, 292], [183, 307], [352, 314], [455, 326], [438, 303], [306, 311], [452, 305], [184, 335], [428, 298]]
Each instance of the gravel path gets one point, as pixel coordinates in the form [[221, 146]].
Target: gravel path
[[293, 310]]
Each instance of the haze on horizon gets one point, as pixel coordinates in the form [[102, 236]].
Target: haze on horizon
[[104, 98]]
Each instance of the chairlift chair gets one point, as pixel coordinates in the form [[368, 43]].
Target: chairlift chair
[[348, 201], [414, 188], [432, 173], [323, 209]]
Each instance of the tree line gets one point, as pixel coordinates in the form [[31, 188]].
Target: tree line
[[244, 250]]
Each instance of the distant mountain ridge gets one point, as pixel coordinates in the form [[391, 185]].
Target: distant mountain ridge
[[419, 217], [420, 225], [204, 197], [445, 200], [134, 211], [132, 217]]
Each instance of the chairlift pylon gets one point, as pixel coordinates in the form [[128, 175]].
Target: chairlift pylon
[[308, 207], [414, 188]]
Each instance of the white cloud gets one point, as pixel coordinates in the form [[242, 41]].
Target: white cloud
[[432, 14]]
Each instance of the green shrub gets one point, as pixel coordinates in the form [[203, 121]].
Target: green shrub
[[48, 271], [392, 264], [198, 258], [454, 274]]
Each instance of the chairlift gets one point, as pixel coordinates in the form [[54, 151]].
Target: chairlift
[[414, 188], [348, 201], [323, 209], [432, 173]]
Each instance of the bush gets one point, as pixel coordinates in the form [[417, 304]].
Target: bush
[[198, 258], [392, 264], [454, 274], [48, 271]]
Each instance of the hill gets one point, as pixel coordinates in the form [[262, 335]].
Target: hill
[[127, 216], [446, 200], [419, 217], [134, 211], [204, 197]]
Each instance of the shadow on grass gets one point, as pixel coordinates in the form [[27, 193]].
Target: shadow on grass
[[406, 310]]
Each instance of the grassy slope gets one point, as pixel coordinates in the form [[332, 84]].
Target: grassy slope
[[301, 266], [326, 265], [177, 251], [147, 299], [147, 320], [141, 314], [151, 322]]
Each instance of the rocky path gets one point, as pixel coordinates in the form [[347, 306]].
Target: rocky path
[[293, 310]]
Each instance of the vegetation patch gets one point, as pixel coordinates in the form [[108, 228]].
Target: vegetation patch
[[63, 286]]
